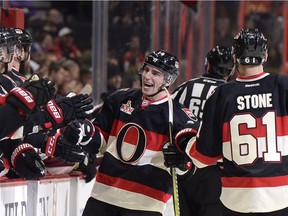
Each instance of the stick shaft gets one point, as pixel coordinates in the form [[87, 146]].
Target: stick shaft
[[172, 169]]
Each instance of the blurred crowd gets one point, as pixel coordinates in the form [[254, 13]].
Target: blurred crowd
[[51, 51], [57, 52]]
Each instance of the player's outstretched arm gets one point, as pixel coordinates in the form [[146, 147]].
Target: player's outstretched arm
[[62, 111]]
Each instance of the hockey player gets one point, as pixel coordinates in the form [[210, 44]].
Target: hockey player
[[17, 106], [55, 114], [131, 129], [21, 60], [244, 122], [199, 194]]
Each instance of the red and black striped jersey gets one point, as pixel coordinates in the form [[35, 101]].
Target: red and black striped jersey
[[10, 80], [10, 118], [132, 173], [245, 124]]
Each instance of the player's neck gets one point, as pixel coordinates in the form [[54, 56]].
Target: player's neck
[[14, 64], [249, 70], [160, 95]]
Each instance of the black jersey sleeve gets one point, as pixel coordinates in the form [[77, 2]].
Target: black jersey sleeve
[[11, 120], [207, 148]]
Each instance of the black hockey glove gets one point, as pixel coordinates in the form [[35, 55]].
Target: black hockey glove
[[88, 167], [12, 174], [173, 157], [62, 111], [59, 147], [31, 94], [83, 131], [41, 89], [73, 132], [3, 169], [183, 137], [26, 162]]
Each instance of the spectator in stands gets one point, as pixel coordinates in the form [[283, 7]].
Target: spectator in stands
[[74, 84], [132, 61], [114, 80], [54, 21], [59, 75], [73, 67], [134, 54], [45, 60], [65, 46], [86, 79], [44, 41]]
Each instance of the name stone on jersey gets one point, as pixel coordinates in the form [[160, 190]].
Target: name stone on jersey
[[254, 101]]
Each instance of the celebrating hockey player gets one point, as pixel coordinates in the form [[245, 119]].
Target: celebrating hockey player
[[19, 146], [130, 130]]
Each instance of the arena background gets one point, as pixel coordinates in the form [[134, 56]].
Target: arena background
[[105, 31], [188, 29]]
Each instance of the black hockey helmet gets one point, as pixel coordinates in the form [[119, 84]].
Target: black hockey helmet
[[250, 47], [24, 39], [164, 61], [24, 42], [7, 37], [7, 42], [220, 60]]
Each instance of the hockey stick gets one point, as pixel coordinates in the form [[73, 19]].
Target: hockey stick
[[172, 169]]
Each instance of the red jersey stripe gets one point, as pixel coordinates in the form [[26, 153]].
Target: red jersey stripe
[[202, 158], [254, 182], [133, 187]]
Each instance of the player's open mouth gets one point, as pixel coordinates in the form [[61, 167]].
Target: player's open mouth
[[147, 85]]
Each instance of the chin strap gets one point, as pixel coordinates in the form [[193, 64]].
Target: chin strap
[[161, 88]]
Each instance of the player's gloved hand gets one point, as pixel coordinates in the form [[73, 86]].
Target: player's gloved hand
[[42, 89], [12, 174], [33, 92], [3, 169], [83, 131], [26, 162], [173, 157], [66, 109], [88, 167], [59, 147], [73, 132], [6, 170], [183, 137]]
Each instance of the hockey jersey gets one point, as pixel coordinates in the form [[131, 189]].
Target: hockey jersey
[[245, 124], [8, 81], [132, 174], [194, 93]]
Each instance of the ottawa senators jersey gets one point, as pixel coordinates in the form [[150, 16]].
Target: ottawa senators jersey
[[134, 131], [10, 80], [245, 123], [194, 93]]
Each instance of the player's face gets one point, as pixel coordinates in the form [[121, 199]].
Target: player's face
[[6, 54], [20, 54], [152, 81]]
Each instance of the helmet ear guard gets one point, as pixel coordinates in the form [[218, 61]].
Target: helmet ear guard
[[250, 47]]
